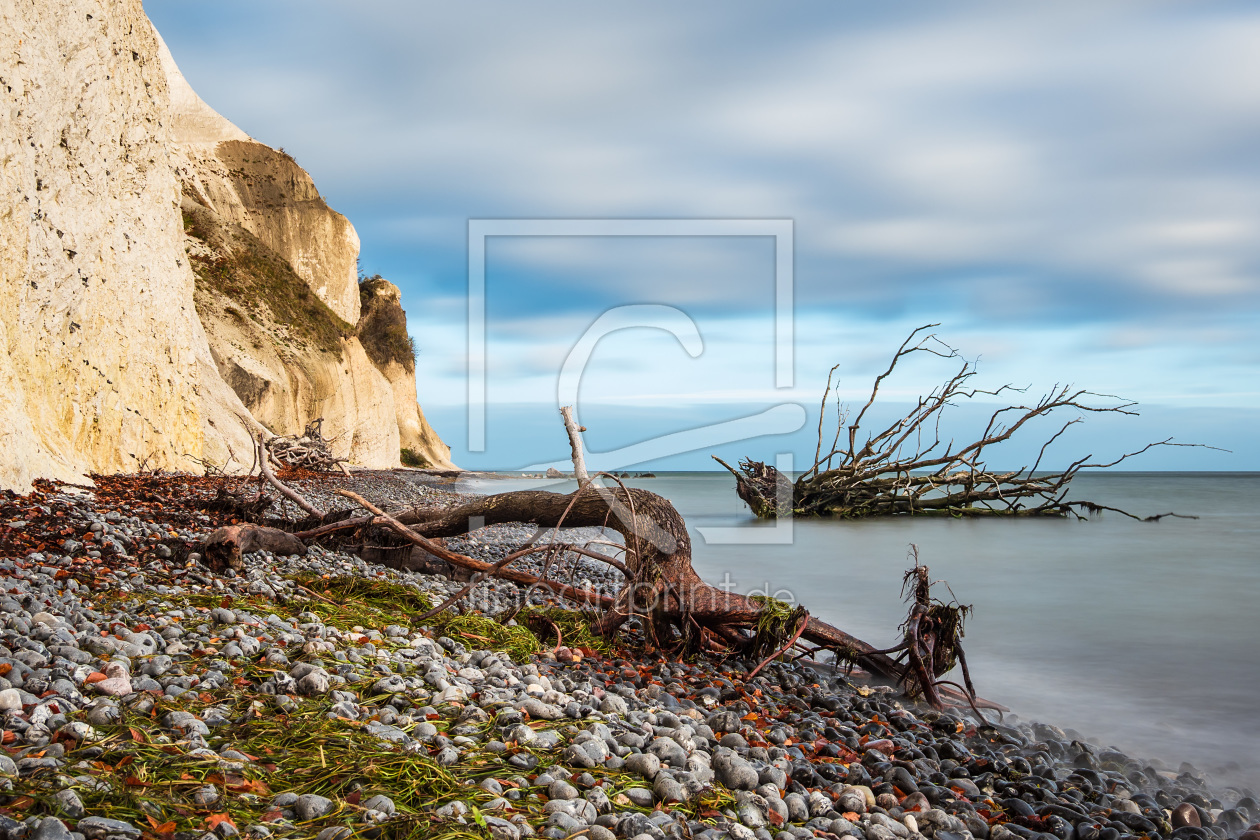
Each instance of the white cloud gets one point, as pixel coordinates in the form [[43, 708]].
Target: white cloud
[[1198, 277], [1071, 185]]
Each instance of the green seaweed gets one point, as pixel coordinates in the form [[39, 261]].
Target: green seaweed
[[377, 602], [574, 626], [516, 640], [776, 622], [148, 779], [145, 779]]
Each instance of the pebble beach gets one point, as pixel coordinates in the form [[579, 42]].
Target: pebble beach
[[144, 695]]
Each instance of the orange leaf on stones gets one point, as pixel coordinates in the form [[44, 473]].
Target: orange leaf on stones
[[212, 821]]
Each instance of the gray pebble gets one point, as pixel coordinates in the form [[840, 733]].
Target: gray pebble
[[667, 789], [335, 832], [381, 803], [310, 806], [50, 828], [669, 752], [734, 772], [103, 827], [315, 682], [69, 803], [562, 790], [645, 764]]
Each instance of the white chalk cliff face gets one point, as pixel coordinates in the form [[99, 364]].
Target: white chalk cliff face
[[104, 363], [264, 191]]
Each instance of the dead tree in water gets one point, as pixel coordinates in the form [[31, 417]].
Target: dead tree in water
[[907, 469]]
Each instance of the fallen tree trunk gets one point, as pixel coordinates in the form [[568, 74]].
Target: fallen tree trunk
[[678, 611]]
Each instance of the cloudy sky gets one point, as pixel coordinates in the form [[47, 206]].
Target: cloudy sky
[[1071, 190]]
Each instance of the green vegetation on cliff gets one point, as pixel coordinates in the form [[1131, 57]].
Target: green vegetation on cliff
[[253, 277], [383, 327]]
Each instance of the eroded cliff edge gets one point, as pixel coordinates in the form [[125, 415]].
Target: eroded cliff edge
[[127, 341]]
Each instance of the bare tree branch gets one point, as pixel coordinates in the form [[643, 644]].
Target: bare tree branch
[[575, 441], [901, 469], [285, 491]]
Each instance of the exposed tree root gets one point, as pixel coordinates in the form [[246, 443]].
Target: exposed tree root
[[681, 612]]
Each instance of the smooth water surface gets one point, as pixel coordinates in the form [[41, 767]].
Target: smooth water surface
[[1141, 635]]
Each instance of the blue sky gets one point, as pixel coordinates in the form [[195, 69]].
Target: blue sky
[[1070, 189]]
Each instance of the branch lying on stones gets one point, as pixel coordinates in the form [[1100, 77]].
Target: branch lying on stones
[[679, 612], [579, 595], [332, 527], [286, 491]]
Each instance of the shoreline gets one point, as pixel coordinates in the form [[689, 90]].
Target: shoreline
[[247, 682]]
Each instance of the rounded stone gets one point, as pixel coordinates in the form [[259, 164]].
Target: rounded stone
[[1185, 814], [734, 772], [854, 800], [314, 683], [667, 789], [69, 803], [310, 806], [104, 827], [669, 752], [562, 790], [646, 765], [335, 832], [915, 801], [50, 828], [841, 827]]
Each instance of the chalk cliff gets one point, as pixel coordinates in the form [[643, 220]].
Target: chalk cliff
[[115, 354]]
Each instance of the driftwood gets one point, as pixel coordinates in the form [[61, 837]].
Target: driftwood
[[308, 450], [678, 612], [291, 495], [223, 547], [907, 469], [762, 487], [932, 644]]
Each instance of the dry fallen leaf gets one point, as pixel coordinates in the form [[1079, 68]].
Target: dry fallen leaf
[[212, 821]]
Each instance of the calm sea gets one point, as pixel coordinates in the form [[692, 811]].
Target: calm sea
[[1144, 636]]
